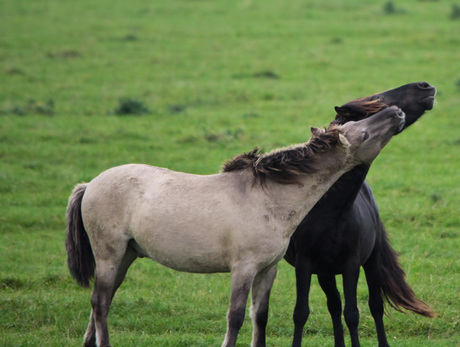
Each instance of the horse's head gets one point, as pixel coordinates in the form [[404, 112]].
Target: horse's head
[[365, 138], [413, 99]]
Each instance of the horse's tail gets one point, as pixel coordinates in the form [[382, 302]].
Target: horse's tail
[[80, 258], [395, 289]]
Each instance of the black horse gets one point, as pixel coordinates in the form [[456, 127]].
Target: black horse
[[344, 231]]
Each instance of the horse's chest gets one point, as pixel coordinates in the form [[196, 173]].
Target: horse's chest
[[329, 261], [331, 254]]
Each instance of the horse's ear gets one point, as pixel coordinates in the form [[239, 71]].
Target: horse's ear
[[343, 140], [344, 111], [352, 111], [317, 131]]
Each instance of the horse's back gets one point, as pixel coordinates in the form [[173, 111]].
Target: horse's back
[[116, 191], [126, 178], [126, 195]]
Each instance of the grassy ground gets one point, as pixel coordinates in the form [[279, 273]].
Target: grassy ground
[[217, 78]]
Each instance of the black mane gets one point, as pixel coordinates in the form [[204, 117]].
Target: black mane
[[358, 109]]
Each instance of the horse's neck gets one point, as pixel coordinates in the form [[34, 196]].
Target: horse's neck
[[340, 197], [292, 202]]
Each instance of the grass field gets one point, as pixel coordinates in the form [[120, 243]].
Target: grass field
[[215, 78]]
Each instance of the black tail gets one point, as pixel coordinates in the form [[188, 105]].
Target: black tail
[[395, 289], [80, 256]]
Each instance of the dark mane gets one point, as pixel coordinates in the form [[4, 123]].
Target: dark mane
[[285, 165], [358, 109]]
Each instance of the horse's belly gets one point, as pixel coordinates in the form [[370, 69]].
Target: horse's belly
[[182, 254], [193, 265], [208, 249]]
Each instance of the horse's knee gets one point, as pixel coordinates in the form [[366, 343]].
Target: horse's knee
[[334, 307], [300, 315], [261, 318], [235, 319], [259, 313], [235, 316], [351, 317]]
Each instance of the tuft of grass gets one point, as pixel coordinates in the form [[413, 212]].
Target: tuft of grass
[[32, 107], [389, 8], [455, 12], [130, 106], [172, 109], [64, 54], [267, 74]]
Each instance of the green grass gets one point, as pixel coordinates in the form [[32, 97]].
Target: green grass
[[218, 78]]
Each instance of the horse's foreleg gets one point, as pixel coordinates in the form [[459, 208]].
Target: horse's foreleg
[[242, 279], [375, 300], [261, 288], [334, 305], [350, 312], [303, 273]]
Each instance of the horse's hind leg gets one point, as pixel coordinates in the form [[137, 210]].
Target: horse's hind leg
[[90, 335], [109, 277], [261, 288], [334, 305], [129, 257], [375, 299], [242, 279]]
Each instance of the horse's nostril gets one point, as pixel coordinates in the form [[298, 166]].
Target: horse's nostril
[[400, 114], [424, 85]]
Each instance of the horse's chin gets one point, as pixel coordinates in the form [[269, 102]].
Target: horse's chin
[[427, 102]]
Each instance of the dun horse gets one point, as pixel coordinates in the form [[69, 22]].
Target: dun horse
[[237, 221], [344, 231]]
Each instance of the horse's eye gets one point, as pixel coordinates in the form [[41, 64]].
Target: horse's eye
[[365, 135]]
